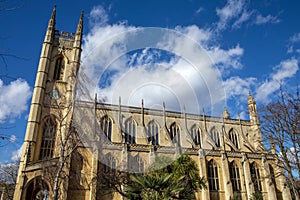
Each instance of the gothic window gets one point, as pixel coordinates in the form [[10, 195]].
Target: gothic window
[[215, 135], [106, 129], [272, 176], [109, 165], [153, 132], [48, 139], [196, 135], [174, 133], [234, 138], [136, 164], [59, 69], [235, 176], [255, 176], [130, 131], [212, 175]]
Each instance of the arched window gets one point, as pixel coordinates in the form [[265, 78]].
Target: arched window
[[106, 129], [233, 136], [136, 164], [212, 175], [48, 139], [153, 132], [175, 133], [255, 176], [215, 135], [109, 165], [272, 176], [130, 131], [235, 176], [196, 135], [59, 69]]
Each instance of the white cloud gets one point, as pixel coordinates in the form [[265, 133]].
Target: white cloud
[[98, 16], [267, 19], [16, 155], [12, 138], [295, 38], [236, 86], [231, 10], [199, 10], [286, 69], [245, 16], [226, 58], [13, 99], [129, 62]]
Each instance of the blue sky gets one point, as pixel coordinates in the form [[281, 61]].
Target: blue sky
[[251, 45]]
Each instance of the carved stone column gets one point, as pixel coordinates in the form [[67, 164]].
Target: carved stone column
[[248, 181], [203, 173], [271, 192], [226, 177], [94, 171]]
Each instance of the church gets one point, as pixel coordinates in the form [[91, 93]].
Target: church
[[56, 162]]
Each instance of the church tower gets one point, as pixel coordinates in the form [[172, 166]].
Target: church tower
[[53, 93]]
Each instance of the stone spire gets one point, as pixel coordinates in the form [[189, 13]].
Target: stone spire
[[51, 27], [252, 109], [78, 35]]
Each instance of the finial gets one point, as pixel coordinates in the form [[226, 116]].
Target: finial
[[53, 12], [80, 24], [52, 19], [119, 100], [164, 106], [96, 99], [226, 113], [142, 103]]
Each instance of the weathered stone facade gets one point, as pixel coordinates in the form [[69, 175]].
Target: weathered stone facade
[[229, 152]]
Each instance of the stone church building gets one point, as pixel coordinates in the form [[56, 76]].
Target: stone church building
[[229, 152]]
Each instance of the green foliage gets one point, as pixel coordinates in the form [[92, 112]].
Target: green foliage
[[178, 180], [257, 196]]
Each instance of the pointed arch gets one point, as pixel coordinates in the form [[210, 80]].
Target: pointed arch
[[196, 135], [255, 176], [234, 138], [234, 172], [110, 164], [130, 131], [37, 188], [48, 138], [174, 133], [213, 175], [215, 135], [105, 128], [136, 164], [153, 132], [59, 68]]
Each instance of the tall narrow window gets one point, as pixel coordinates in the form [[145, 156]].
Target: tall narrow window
[[136, 164], [153, 132], [59, 69], [109, 165], [272, 176], [175, 133], [106, 129], [255, 177], [212, 175], [235, 176], [130, 131], [234, 138], [48, 139], [196, 135], [215, 135]]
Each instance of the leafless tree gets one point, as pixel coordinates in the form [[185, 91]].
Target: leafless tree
[[281, 126], [8, 177]]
